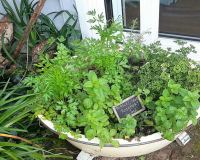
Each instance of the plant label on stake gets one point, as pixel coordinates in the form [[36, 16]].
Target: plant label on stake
[[183, 139], [130, 106]]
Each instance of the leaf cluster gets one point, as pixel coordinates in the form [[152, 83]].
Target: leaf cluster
[[78, 90], [163, 65], [43, 30], [15, 108], [175, 108]]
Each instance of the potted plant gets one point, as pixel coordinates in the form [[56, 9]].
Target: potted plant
[[76, 92]]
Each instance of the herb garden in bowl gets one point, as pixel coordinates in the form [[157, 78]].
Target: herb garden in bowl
[[76, 92]]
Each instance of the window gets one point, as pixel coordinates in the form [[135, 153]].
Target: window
[[145, 11], [153, 16], [131, 12], [177, 18], [180, 18]]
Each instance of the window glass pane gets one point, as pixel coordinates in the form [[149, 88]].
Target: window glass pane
[[180, 17], [131, 12]]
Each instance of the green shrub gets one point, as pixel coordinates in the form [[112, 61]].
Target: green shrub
[[163, 65], [174, 108], [15, 109], [77, 91]]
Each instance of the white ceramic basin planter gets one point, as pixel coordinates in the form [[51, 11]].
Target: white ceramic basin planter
[[135, 147]]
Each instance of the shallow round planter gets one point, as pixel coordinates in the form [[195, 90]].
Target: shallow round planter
[[135, 147]]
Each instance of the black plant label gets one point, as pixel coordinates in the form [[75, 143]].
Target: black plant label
[[130, 106]]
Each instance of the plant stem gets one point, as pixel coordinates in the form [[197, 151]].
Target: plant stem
[[19, 138], [27, 31]]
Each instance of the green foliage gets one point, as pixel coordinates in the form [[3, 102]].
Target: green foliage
[[95, 124], [163, 65], [68, 32], [20, 15], [57, 79], [14, 109], [67, 113], [127, 127], [100, 98], [174, 109], [105, 57], [77, 90], [107, 34], [100, 93], [43, 30]]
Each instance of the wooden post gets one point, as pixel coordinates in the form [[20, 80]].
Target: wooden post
[[27, 31]]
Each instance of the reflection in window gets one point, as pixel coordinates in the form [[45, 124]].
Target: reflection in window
[[180, 17], [131, 12]]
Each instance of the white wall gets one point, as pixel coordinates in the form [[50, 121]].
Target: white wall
[[52, 6], [58, 5], [1, 10], [10, 2], [83, 6]]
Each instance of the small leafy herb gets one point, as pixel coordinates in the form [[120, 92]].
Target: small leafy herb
[[78, 90], [127, 127], [174, 109]]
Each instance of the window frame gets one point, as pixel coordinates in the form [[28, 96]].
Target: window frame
[[117, 12], [179, 36], [149, 21], [166, 39]]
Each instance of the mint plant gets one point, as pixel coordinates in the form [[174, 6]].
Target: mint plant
[[127, 127], [100, 93], [174, 109]]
